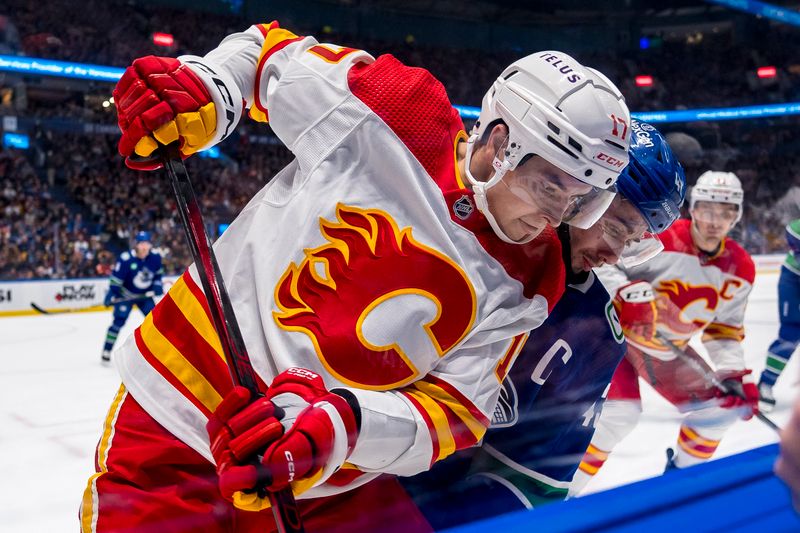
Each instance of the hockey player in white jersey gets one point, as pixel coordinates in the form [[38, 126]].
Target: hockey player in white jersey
[[379, 280], [699, 284]]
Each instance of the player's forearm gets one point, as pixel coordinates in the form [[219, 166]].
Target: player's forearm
[[237, 55], [727, 354], [388, 435]]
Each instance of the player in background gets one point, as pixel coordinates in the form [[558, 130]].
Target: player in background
[[699, 284], [788, 339], [554, 390], [136, 278], [379, 280]]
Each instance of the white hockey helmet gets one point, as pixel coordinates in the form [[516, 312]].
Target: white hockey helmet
[[570, 115], [718, 187]]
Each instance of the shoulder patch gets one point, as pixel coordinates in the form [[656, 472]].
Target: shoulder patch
[[125, 256]]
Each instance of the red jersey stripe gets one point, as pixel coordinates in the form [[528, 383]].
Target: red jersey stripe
[[174, 326], [169, 376]]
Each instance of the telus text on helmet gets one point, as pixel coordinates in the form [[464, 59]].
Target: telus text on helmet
[[562, 67]]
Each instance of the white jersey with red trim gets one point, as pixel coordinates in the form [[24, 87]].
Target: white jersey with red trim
[[696, 292], [364, 260]]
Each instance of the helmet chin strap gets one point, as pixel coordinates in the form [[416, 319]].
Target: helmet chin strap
[[480, 188]]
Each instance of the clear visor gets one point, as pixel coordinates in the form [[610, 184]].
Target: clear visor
[[585, 210], [627, 235], [556, 195], [716, 212], [639, 251]]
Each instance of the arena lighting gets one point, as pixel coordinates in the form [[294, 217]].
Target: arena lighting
[[773, 12], [644, 81], [766, 72], [210, 153], [47, 67], [163, 39], [16, 140]]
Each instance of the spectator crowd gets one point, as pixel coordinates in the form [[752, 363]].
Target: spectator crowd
[[68, 204]]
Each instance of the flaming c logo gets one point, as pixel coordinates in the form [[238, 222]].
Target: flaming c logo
[[693, 305], [367, 262]]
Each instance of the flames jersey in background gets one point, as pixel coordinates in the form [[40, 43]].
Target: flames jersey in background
[[695, 293], [364, 260], [543, 421]]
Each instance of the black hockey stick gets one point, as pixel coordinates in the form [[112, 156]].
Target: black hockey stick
[[44, 311], [711, 378], [284, 507]]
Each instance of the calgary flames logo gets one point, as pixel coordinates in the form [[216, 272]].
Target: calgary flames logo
[[367, 262], [685, 308]]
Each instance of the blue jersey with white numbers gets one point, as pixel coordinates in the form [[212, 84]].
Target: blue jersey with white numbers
[[544, 419], [552, 396], [133, 276]]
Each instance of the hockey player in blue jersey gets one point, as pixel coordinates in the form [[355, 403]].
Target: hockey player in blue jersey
[[543, 422], [788, 339], [136, 278]]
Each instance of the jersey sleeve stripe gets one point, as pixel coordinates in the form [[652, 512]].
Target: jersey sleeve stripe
[[193, 347], [196, 314], [447, 444], [465, 421], [457, 397], [331, 56], [275, 39], [716, 331], [196, 386], [501, 371], [428, 422]]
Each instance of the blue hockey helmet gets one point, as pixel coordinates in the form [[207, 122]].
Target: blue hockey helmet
[[653, 180], [143, 236]]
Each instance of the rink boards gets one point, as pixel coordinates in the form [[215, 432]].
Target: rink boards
[[731, 494]]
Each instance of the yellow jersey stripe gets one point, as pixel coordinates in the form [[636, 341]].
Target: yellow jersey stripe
[[447, 444], [90, 503], [191, 308], [178, 365], [440, 395]]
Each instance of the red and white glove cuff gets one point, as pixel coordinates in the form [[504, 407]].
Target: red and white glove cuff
[[342, 437], [224, 93]]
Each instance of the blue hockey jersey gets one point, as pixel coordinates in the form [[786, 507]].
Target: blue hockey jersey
[[544, 420], [133, 276], [552, 396]]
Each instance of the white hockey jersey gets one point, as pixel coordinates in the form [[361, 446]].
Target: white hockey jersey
[[364, 260], [695, 293]]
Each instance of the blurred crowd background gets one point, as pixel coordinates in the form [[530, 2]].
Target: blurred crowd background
[[68, 204]]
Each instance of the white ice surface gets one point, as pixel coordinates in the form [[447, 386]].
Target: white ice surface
[[54, 395]]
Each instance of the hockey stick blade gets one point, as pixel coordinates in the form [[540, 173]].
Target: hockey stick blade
[[714, 380], [284, 506]]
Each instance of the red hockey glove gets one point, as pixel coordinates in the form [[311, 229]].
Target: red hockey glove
[[160, 100], [742, 392], [298, 433], [636, 307]]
